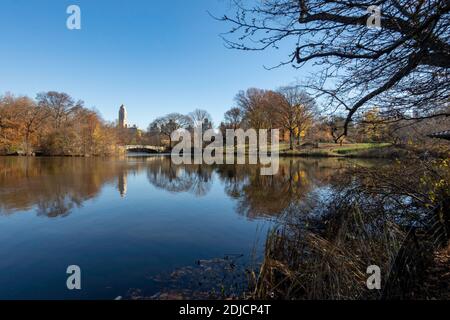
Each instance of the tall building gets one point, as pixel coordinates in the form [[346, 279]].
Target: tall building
[[123, 117]]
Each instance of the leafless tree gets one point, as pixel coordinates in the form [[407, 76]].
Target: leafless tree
[[258, 108], [233, 118], [333, 124], [399, 67], [60, 105], [200, 117], [296, 112], [171, 123], [255, 109]]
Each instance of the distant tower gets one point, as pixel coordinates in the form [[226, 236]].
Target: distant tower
[[122, 117]]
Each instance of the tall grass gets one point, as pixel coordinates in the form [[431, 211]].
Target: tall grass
[[394, 218], [329, 263]]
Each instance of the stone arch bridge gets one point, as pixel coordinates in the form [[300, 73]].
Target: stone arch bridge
[[144, 148]]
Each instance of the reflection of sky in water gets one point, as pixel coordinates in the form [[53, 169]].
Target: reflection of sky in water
[[123, 222]]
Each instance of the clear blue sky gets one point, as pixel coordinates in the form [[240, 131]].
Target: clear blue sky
[[154, 56]]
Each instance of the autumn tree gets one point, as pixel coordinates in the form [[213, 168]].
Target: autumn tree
[[373, 126], [258, 109], [33, 119], [54, 125], [10, 124], [154, 134], [251, 102]]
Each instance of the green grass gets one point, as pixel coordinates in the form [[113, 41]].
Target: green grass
[[330, 150], [360, 147]]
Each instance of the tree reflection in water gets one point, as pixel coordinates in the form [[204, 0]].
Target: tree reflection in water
[[53, 187], [333, 246], [289, 190], [195, 179]]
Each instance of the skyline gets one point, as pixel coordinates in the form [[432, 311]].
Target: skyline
[[122, 56]]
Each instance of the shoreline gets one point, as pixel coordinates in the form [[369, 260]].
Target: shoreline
[[350, 151]]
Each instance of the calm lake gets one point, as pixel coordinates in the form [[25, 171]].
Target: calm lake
[[141, 225]]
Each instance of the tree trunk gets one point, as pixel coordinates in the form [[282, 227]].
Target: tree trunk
[[27, 144], [291, 140], [257, 141]]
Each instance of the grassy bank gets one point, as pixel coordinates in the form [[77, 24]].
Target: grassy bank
[[372, 150], [353, 150]]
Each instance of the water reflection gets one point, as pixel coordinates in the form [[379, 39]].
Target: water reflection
[[126, 221], [259, 195], [53, 187], [122, 183], [163, 174]]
